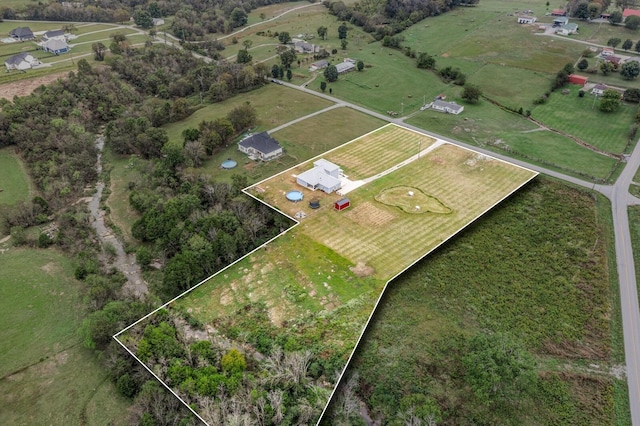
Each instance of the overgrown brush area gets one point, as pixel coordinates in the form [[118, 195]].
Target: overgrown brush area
[[525, 295]]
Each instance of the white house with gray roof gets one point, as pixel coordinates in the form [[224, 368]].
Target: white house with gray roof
[[324, 176], [448, 107], [260, 146], [21, 61], [54, 35]]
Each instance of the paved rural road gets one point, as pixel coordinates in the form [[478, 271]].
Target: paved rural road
[[620, 199]]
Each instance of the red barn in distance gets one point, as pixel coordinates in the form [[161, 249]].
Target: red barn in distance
[[341, 204], [578, 79]]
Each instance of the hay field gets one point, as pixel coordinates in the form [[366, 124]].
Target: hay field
[[384, 237]]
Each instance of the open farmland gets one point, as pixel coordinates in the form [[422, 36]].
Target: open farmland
[[329, 287]]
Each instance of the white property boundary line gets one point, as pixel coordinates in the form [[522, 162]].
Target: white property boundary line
[[296, 223]]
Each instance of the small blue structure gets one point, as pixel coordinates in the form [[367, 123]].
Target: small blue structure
[[229, 164], [294, 196]]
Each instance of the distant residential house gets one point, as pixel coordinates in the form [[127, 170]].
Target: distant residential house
[[318, 65], [53, 35], [261, 146], [448, 107], [560, 21], [606, 51], [21, 33], [346, 66], [568, 29], [324, 176], [526, 19], [558, 12], [55, 46], [630, 12], [616, 60], [577, 79], [21, 61], [605, 15], [157, 21], [599, 89], [302, 46]]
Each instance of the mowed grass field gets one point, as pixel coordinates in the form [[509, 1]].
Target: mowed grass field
[[383, 237], [46, 376], [15, 185]]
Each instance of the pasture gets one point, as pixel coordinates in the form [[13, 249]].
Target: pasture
[[274, 106], [581, 118], [487, 125], [15, 185], [47, 377]]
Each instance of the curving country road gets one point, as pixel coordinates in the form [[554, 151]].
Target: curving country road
[[620, 198]]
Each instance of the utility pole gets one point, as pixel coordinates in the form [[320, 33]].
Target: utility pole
[[401, 107]]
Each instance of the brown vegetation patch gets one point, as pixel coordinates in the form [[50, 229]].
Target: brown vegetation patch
[[369, 215], [25, 87], [361, 269], [50, 268]]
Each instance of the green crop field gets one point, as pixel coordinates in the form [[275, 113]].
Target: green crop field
[[15, 185], [47, 377]]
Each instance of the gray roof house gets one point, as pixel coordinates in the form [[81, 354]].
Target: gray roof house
[[53, 35], [55, 46], [21, 33], [302, 46], [448, 107], [260, 146], [21, 61], [318, 65], [345, 66], [598, 89], [324, 176]]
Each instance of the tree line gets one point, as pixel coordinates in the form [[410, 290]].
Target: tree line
[[391, 17]]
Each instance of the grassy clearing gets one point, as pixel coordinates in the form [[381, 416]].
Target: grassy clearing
[[634, 229], [275, 105], [324, 132], [582, 118], [15, 183], [27, 305], [272, 11], [122, 172], [486, 125], [539, 238], [68, 388]]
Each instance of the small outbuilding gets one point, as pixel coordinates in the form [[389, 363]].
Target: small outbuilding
[[577, 79], [598, 89], [630, 12], [526, 19], [560, 21], [448, 107], [558, 12], [341, 204], [260, 146]]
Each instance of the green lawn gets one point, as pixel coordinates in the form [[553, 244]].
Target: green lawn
[[275, 105], [47, 377], [486, 125], [15, 185], [581, 117]]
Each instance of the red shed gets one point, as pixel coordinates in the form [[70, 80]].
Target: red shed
[[341, 204], [577, 79]]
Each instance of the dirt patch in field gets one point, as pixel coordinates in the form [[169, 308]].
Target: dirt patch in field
[[25, 87], [362, 270], [369, 215], [50, 268]]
